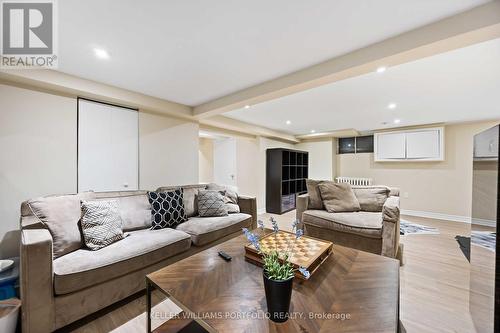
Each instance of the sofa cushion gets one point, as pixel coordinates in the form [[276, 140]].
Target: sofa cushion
[[61, 215], [167, 209], [367, 224], [83, 268], [315, 201], [204, 230], [230, 192], [190, 196], [338, 197], [232, 208], [101, 223], [134, 208], [190, 199], [371, 198]]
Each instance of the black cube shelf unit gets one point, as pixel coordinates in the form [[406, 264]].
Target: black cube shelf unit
[[286, 174]]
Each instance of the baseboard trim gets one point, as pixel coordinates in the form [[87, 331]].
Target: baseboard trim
[[261, 211], [484, 222], [438, 216]]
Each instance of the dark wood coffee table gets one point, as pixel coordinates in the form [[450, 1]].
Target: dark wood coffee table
[[352, 291]]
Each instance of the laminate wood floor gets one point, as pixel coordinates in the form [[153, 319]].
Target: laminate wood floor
[[434, 285]]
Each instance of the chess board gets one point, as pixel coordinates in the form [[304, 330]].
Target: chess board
[[307, 251]]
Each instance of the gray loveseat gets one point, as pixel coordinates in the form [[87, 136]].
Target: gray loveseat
[[375, 228], [58, 290]]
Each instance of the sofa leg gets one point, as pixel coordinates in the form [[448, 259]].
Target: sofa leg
[[400, 253]]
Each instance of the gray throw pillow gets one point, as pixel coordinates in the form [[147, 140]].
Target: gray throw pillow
[[338, 197], [211, 203], [230, 195], [232, 208], [101, 223], [61, 214], [315, 201]]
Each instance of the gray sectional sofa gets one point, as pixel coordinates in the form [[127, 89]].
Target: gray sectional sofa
[[58, 290]]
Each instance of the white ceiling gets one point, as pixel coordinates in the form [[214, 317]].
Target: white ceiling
[[460, 85], [197, 50]]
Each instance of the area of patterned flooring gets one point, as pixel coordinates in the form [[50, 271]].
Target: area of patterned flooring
[[434, 285]]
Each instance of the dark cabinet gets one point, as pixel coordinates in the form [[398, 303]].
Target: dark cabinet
[[286, 174]]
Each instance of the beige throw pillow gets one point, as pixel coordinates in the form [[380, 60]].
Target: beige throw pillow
[[338, 197], [315, 201], [61, 215], [371, 198]]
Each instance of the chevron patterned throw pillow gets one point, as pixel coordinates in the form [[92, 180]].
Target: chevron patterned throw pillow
[[101, 223]]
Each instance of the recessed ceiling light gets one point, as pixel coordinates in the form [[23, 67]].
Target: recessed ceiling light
[[392, 106], [288, 122], [397, 121], [381, 69], [102, 54], [247, 106], [313, 131]]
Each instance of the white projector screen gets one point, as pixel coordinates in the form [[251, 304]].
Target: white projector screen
[[108, 147]]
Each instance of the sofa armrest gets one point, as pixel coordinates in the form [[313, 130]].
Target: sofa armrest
[[248, 205], [302, 204], [36, 279], [390, 227]]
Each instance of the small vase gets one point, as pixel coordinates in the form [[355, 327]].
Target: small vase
[[278, 295]]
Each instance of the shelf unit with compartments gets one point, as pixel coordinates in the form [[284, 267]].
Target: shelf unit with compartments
[[286, 174]]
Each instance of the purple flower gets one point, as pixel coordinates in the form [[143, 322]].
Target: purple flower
[[304, 272], [274, 224], [252, 238], [299, 233], [261, 224]]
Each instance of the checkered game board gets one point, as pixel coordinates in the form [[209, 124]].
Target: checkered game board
[[307, 252]]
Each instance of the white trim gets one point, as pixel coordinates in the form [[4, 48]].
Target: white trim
[[484, 222], [261, 211], [439, 216]]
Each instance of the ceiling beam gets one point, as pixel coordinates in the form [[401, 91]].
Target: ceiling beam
[[61, 83], [474, 26], [239, 126], [333, 134], [68, 85]]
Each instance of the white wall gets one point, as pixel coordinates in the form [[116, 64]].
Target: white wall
[[168, 151], [321, 158], [206, 160], [37, 154], [247, 168], [435, 187], [225, 172]]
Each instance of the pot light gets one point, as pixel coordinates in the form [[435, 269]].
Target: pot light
[[397, 121], [313, 131], [288, 122], [381, 69], [247, 106], [101, 54], [392, 106]]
